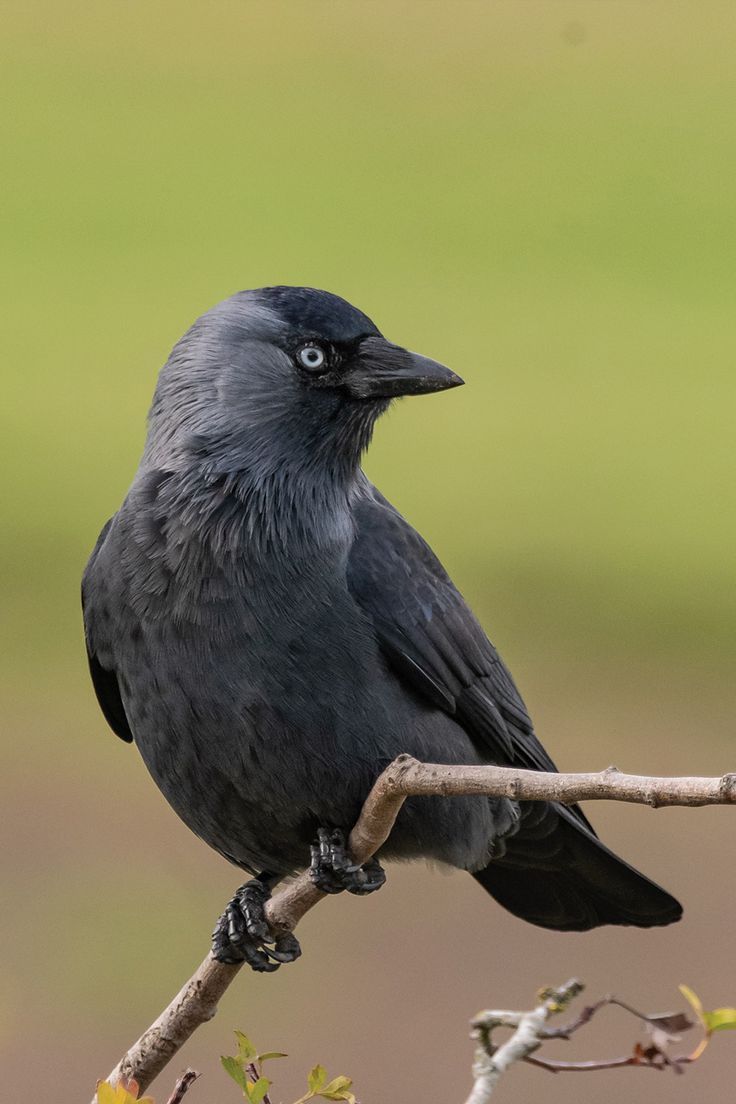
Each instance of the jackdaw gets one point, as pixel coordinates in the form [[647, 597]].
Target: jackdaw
[[271, 633]]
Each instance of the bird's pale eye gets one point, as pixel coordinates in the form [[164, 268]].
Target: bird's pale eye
[[312, 357]]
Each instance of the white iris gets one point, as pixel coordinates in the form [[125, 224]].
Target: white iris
[[311, 357]]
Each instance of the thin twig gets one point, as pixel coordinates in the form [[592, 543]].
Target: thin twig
[[585, 1016], [405, 777], [554, 1066], [654, 1056], [184, 1083], [254, 1075], [644, 1058]]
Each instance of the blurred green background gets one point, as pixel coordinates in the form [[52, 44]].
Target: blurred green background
[[542, 196]]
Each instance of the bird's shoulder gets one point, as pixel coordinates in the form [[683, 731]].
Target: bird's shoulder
[[430, 636]]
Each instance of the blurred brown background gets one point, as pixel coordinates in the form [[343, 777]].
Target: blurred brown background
[[542, 196]]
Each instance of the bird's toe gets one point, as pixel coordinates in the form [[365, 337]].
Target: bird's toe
[[333, 871], [242, 933], [368, 878]]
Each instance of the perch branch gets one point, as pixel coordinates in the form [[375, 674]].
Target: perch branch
[[405, 777]]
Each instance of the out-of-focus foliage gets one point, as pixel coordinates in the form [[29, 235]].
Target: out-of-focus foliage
[[660, 1051], [718, 1019], [120, 1094], [246, 1070]]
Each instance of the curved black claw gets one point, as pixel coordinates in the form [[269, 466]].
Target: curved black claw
[[242, 932], [332, 870]]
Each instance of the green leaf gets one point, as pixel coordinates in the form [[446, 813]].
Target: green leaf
[[338, 1089], [126, 1093], [106, 1093], [720, 1019], [338, 1094], [246, 1051], [317, 1079], [270, 1054], [233, 1067], [693, 1000], [257, 1090]]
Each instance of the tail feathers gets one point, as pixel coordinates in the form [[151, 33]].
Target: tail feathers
[[558, 875]]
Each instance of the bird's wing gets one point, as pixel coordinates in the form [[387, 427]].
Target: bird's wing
[[553, 871], [432, 639], [104, 679]]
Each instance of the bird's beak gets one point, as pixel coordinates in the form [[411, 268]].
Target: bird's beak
[[384, 371]]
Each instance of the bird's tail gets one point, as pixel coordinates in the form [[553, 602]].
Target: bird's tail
[[557, 874]]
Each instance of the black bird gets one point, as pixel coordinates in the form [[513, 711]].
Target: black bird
[[271, 633]]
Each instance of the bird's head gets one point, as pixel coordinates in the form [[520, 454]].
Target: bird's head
[[281, 376]]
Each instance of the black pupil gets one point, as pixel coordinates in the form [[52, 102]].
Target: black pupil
[[313, 355]]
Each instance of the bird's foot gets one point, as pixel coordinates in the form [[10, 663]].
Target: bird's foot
[[332, 869], [242, 932]]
